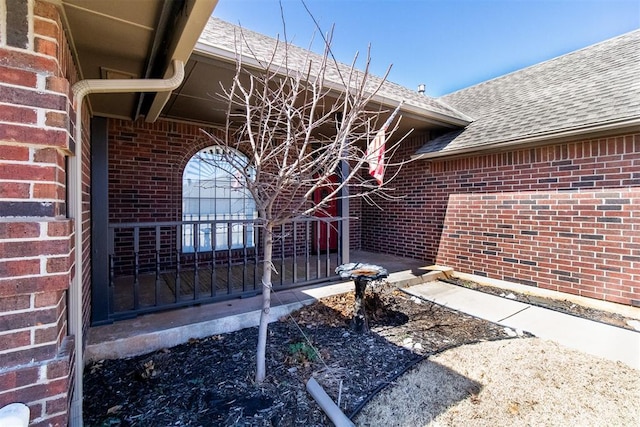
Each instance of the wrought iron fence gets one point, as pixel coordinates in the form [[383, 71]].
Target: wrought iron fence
[[156, 266]]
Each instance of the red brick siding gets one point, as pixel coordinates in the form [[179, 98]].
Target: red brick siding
[[36, 241], [575, 171], [146, 163], [85, 226], [33, 311], [585, 243], [42, 386], [355, 230]]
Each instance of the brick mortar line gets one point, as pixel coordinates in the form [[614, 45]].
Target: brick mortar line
[[34, 327], [35, 239], [35, 276], [41, 88], [28, 347]]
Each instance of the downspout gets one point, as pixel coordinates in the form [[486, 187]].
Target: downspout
[[80, 90]]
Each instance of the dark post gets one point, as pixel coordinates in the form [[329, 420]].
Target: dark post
[[101, 257]]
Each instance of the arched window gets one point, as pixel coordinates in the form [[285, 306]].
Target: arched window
[[214, 195]]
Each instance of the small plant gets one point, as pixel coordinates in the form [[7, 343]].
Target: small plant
[[302, 352]]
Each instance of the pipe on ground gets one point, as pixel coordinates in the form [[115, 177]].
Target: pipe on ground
[[328, 406]]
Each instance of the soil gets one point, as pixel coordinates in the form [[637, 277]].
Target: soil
[[211, 381]]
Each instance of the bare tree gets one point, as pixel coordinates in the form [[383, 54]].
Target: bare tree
[[298, 117]]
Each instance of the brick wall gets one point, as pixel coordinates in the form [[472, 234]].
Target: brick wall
[[580, 242], [36, 238], [574, 200], [146, 163], [355, 229]]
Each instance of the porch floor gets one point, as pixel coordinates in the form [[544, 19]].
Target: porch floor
[[223, 282], [154, 331]]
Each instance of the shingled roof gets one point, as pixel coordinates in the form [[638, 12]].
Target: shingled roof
[[220, 38], [593, 89]]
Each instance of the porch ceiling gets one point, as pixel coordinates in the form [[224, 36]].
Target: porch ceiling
[[197, 99], [119, 39]]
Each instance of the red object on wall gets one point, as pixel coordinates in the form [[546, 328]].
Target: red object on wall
[[327, 235]]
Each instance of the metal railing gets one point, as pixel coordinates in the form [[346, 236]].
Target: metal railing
[[157, 266]]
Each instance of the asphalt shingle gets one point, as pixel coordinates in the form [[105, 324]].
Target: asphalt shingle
[[591, 87]]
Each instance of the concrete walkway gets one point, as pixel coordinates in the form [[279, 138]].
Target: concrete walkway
[[588, 336]]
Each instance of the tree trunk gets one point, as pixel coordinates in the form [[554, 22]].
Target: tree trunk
[[266, 303]]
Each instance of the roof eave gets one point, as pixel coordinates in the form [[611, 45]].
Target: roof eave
[[190, 26], [429, 116], [619, 126]]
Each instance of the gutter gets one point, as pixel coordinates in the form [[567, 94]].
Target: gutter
[[214, 52], [544, 137], [188, 25], [80, 90]]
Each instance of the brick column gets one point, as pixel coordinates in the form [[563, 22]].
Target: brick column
[[36, 238]]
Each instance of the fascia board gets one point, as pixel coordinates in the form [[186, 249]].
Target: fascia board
[[624, 125], [181, 48]]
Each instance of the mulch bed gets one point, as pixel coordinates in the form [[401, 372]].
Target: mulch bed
[[210, 381]]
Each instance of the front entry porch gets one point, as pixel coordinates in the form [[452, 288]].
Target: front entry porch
[[169, 328]]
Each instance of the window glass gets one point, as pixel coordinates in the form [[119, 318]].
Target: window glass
[[215, 199]]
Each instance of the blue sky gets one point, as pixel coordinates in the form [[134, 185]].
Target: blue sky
[[445, 44]]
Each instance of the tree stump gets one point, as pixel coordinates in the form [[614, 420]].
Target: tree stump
[[362, 275]]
